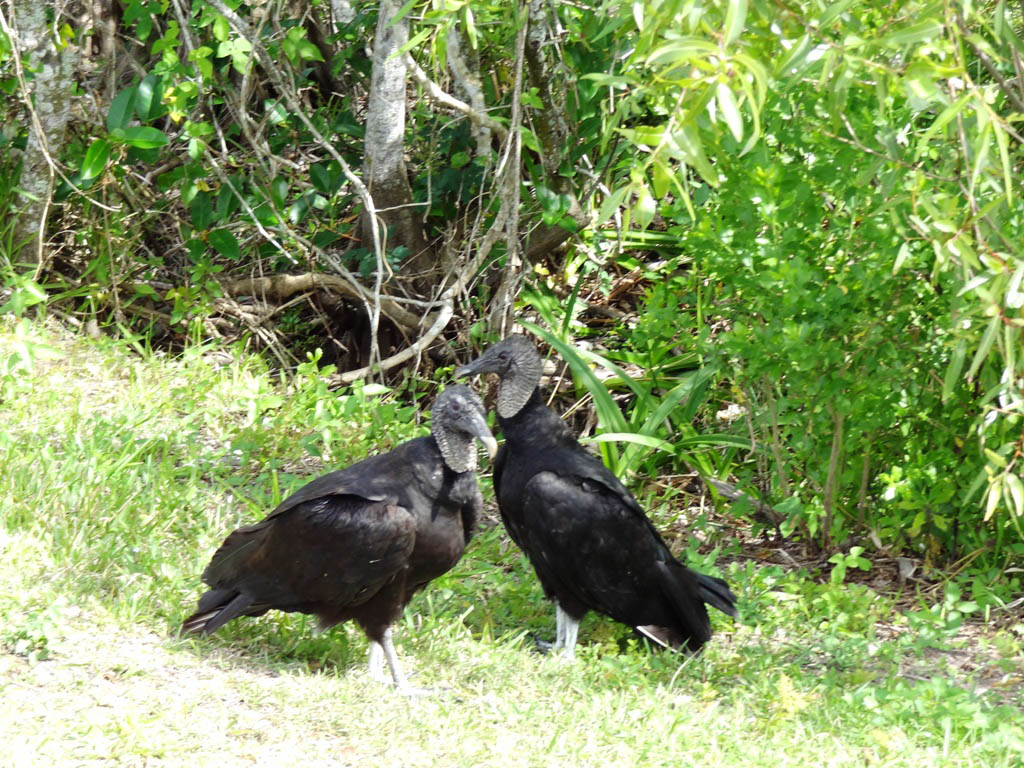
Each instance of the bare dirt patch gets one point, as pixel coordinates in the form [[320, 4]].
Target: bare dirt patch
[[107, 698]]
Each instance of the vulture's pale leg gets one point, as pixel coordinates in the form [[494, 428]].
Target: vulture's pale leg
[[566, 630], [376, 662], [572, 628], [560, 618], [401, 682]]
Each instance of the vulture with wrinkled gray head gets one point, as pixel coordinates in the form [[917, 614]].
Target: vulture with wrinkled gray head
[[359, 542], [590, 543]]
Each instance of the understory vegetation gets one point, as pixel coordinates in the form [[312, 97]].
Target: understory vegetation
[[776, 246], [772, 253], [123, 470]]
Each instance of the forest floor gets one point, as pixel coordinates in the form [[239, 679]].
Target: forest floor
[[114, 695], [122, 472]]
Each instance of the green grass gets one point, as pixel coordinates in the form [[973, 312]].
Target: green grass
[[122, 472]]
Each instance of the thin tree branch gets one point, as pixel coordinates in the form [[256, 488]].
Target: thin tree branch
[[1004, 86], [434, 91]]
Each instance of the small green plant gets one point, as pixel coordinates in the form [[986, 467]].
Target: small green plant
[[841, 562], [31, 631], [941, 621]]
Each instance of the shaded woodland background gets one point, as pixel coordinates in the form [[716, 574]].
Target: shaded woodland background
[[777, 244]]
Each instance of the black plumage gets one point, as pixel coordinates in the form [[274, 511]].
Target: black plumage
[[359, 542], [590, 543]]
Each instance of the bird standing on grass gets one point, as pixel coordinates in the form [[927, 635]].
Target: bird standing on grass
[[359, 542], [589, 541]]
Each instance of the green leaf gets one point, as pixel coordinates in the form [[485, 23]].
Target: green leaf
[[225, 243], [321, 178], [901, 257], [148, 100], [415, 40], [121, 109], [730, 111], [956, 367], [920, 32], [611, 204], [201, 210], [995, 492], [201, 58], [941, 122], [735, 18], [309, 52], [609, 80], [726, 441], [688, 145], [632, 437], [662, 178], [644, 208], [95, 160], [26, 293], [221, 28], [1016, 492], [290, 49], [833, 11], [1002, 141], [995, 458], [791, 64], [142, 136], [402, 12], [681, 51], [985, 346], [279, 191]]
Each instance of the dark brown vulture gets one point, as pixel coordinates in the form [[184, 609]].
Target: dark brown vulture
[[359, 542]]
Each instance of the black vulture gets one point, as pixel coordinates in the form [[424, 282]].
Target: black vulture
[[359, 542], [590, 543]]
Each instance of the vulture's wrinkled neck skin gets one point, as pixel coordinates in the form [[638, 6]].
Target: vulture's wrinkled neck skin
[[459, 418], [519, 381], [456, 447]]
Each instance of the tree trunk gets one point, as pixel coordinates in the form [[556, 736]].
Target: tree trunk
[[549, 125], [48, 104], [384, 168]]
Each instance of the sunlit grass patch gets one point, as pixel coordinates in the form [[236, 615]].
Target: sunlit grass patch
[[123, 473]]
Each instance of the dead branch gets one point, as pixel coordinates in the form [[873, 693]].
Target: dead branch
[[438, 94], [441, 320], [284, 286]]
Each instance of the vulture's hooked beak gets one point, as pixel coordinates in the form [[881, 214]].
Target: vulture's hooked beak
[[490, 444], [480, 365]]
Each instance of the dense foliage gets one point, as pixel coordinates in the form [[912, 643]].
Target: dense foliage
[[791, 233]]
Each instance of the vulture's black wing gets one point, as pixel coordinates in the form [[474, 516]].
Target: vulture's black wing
[[593, 547], [318, 557]]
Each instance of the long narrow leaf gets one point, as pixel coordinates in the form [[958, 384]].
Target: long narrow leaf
[[735, 19], [608, 365], [984, 347], [632, 437], [956, 367], [692, 388], [608, 412], [699, 441]]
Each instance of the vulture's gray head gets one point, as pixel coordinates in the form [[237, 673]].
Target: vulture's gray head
[[517, 363], [457, 417]]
